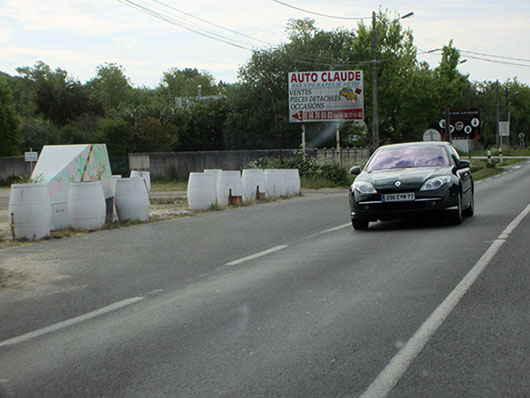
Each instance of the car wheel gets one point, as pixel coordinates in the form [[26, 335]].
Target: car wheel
[[470, 210], [457, 216], [360, 224]]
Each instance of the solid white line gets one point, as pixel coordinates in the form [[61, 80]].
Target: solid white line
[[70, 322], [256, 255], [517, 220], [388, 378]]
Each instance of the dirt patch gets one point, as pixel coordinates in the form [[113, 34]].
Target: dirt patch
[[160, 210]]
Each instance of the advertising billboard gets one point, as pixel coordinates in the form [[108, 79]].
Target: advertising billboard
[[326, 96]]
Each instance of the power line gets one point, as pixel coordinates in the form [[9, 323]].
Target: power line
[[319, 14], [494, 56], [173, 21], [210, 23], [304, 58], [497, 61]]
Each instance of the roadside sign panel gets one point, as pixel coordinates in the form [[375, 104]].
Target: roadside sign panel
[[432, 135], [464, 124], [326, 96], [31, 156], [504, 129]]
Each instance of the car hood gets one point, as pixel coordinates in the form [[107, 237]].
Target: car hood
[[411, 178]]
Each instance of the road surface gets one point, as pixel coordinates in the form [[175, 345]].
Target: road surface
[[282, 299]]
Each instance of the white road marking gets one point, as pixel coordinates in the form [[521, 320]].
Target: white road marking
[[329, 230], [256, 255], [70, 322], [335, 229], [388, 378]]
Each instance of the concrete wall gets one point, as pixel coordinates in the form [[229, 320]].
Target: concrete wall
[[347, 157], [14, 166], [180, 164]]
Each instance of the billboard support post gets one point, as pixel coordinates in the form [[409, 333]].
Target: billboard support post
[[303, 141], [337, 134]]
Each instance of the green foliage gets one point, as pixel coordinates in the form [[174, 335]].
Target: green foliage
[[37, 132], [57, 96], [110, 88], [310, 169], [203, 129], [451, 82], [9, 123], [184, 83]]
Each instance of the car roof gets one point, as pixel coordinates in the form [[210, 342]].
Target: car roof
[[417, 143]]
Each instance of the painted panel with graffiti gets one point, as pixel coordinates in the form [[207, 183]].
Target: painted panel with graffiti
[[59, 165]]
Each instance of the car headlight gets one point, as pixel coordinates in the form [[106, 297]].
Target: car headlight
[[435, 183], [363, 187]]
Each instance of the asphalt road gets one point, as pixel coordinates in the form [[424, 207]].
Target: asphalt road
[[282, 299]]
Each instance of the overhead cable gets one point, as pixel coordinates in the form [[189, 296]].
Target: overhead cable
[[497, 61], [494, 56], [210, 23], [173, 21], [319, 14]]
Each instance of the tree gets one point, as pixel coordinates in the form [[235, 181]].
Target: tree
[[111, 88], [451, 83], [9, 123], [202, 128], [57, 96], [184, 83]]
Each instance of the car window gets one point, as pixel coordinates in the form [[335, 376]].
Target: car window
[[454, 154], [409, 156]]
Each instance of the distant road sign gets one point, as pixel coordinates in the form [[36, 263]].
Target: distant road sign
[[31, 156], [504, 129], [464, 124], [432, 135]]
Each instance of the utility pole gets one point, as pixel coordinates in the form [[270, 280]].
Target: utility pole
[[497, 136], [278, 137], [508, 109], [375, 114], [447, 129]]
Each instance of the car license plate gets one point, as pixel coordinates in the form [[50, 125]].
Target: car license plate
[[398, 197]]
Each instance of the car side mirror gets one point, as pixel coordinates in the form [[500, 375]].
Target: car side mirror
[[356, 170], [463, 164]]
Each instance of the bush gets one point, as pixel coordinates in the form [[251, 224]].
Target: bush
[[309, 169]]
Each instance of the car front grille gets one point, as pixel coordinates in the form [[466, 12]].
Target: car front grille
[[418, 204]]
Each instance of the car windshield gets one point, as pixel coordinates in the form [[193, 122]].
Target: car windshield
[[408, 156]]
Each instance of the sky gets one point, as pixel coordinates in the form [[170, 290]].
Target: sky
[[80, 35]]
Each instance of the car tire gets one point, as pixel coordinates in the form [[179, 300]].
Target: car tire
[[470, 210], [457, 216], [360, 224]]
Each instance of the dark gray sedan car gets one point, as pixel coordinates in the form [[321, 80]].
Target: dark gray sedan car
[[416, 178]]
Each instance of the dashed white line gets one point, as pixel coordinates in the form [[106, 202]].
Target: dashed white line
[[257, 255], [388, 378], [334, 229], [70, 322], [326, 231]]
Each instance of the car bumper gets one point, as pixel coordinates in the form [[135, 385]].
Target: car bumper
[[373, 208]]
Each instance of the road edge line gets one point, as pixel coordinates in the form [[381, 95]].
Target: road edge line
[[398, 365]]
